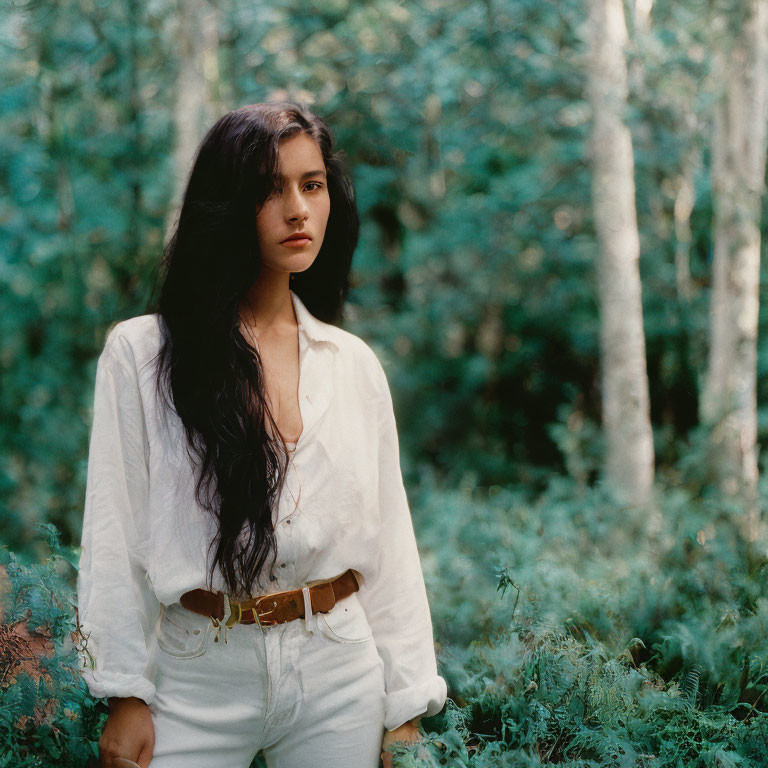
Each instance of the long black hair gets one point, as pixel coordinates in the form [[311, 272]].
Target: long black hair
[[206, 369]]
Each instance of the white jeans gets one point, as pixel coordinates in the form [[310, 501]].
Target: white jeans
[[302, 697]]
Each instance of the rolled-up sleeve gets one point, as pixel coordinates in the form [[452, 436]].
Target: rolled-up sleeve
[[116, 605], [395, 602]]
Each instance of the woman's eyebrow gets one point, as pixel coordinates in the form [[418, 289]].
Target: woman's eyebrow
[[303, 176]]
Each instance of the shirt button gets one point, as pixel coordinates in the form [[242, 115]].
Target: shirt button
[[287, 522], [282, 565]]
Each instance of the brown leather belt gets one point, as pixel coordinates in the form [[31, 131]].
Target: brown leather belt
[[272, 608]]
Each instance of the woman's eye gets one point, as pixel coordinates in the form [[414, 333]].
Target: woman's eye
[[317, 185]]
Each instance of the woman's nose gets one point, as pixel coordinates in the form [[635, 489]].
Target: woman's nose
[[295, 206]]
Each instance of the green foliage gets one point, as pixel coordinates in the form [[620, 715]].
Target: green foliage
[[570, 632], [615, 638], [466, 129], [47, 715]]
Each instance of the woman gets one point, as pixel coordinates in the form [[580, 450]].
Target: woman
[[249, 577]]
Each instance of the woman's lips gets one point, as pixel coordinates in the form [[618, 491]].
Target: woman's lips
[[296, 242]]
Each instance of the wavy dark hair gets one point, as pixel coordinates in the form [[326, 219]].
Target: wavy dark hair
[[206, 369]]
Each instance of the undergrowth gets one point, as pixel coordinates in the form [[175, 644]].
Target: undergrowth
[[570, 632]]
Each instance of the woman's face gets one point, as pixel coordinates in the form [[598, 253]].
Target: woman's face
[[300, 204]]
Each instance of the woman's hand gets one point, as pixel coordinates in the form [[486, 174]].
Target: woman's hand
[[129, 733], [407, 732]]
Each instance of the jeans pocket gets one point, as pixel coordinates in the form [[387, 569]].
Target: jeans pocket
[[346, 622], [182, 633]]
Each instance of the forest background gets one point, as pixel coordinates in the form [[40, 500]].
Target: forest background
[[563, 216]]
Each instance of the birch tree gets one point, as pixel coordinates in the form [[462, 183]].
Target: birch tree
[[195, 108], [629, 457], [729, 402]]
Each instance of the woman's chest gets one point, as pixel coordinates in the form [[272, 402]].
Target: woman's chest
[[281, 371], [332, 477]]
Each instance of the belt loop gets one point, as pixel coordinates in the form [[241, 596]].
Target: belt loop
[[310, 619], [223, 621], [228, 615], [227, 609]]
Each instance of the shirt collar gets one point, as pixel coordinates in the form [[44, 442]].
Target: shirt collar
[[313, 328]]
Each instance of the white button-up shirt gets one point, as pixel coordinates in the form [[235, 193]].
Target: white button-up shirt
[[145, 538]]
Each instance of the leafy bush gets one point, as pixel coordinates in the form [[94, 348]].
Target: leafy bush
[[47, 716], [570, 631], [614, 638]]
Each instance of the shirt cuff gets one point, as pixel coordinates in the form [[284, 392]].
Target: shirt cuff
[[122, 686], [425, 699]]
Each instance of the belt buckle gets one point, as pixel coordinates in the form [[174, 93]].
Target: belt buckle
[[256, 611]]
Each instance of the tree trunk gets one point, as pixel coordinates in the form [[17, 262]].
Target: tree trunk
[[729, 401], [629, 459], [195, 108]]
